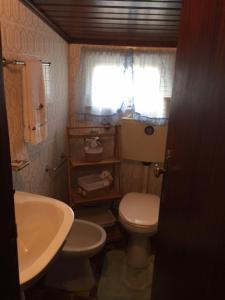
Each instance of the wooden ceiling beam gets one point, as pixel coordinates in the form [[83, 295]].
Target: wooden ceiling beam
[[123, 35], [117, 20], [116, 3], [125, 42], [118, 26], [132, 16], [64, 9], [122, 30], [127, 35]]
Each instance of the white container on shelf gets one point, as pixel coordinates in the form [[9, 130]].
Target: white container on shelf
[[92, 182], [93, 149]]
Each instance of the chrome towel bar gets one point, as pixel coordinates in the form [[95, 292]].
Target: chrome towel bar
[[6, 62]]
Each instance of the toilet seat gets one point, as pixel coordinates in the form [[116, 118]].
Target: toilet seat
[[135, 225], [140, 210], [134, 229]]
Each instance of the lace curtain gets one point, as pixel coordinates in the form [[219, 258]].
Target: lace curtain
[[124, 83]]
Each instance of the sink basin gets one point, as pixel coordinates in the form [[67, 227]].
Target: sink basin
[[42, 225]]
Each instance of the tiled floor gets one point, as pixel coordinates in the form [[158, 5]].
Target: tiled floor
[[40, 292], [120, 282]]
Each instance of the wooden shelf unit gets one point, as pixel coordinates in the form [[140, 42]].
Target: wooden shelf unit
[[78, 199], [81, 163], [76, 161]]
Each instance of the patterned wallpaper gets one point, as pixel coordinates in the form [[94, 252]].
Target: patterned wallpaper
[[131, 172], [24, 36]]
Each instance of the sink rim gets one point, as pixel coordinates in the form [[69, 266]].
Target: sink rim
[[56, 244]]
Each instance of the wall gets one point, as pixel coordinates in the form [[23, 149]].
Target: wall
[[24, 36], [131, 172]]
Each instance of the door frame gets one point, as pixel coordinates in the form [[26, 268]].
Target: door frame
[[190, 255], [10, 287]]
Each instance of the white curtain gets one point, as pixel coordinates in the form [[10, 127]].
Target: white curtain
[[115, 83]]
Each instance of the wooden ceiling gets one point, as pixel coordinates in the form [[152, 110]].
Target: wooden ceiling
[[118, 22]]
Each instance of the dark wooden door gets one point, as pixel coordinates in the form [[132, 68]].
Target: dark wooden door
[[9, 277], [190, 261]]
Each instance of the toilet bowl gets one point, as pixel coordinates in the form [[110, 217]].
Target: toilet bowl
[[138, 213], [72, 270]]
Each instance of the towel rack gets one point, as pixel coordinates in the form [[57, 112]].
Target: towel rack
[[6, 62], [18, 165]]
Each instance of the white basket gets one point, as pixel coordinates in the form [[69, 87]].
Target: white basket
[[92, 182]]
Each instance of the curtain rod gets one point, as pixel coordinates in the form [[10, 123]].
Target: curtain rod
[[6, 62]]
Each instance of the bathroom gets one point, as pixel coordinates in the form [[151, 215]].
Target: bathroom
[[43, 168]]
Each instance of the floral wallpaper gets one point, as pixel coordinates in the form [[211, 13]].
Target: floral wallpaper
[[25, 36]]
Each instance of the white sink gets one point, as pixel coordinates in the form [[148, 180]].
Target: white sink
[[42, 225]]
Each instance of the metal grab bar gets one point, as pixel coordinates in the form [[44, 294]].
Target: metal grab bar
[[55, 169], [18, 165]]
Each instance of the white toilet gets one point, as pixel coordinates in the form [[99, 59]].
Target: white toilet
[[72, 270], [138, 212]]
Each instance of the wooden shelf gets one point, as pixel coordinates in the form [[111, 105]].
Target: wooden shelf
[[88, 135], [81, 163], [78, 199], [77, 159], [102, 216], [91, 127]]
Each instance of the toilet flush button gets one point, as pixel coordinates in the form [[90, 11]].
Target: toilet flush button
[[149, 130]]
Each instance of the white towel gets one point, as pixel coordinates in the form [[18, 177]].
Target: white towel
[[34, 106]]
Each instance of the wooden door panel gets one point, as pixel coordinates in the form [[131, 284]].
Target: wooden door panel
[[10, 288], [190, 262]]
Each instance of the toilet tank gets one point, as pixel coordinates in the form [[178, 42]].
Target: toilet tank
[[142, 142]]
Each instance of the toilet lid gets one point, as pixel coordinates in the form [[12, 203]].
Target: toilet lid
[[140, 209]]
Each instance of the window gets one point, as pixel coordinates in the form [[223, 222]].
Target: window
[[105, 78], [124, 83]]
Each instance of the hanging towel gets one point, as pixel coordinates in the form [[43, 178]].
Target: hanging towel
[[34, 107]]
